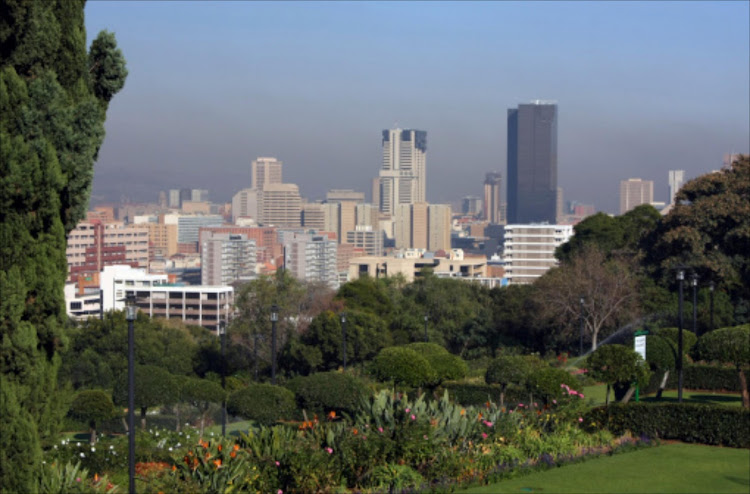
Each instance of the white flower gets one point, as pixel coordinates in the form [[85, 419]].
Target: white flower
[[170, 448], [93, 449], [157, 434], [111, 446], [82, 455]]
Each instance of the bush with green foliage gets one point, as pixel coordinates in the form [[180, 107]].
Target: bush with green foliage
[[618, 366], [447, 367], [402, 366], [691, 423], [661, 353], [154, 386], [200, 393], [327, 391], [264, 403], [689, 339], [92, 406], [508, 370], [546, 384], [699, 376], [731, 346]]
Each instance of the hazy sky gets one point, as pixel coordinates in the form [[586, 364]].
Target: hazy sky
[[641, 87]]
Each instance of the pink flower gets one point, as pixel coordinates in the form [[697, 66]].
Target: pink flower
[[488, 423], [408, 410], [580, 419], [78, 479], [380, 429], [425, 436], [535, 404], [413, 417], [554, 401], [520, 405], [484, 435], [279, 492], [580, 395], [277, 463], [329, 450]]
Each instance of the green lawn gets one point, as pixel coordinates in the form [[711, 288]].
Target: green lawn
[[597, 395], [672, 468]]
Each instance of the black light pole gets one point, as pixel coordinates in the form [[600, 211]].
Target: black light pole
[[130, 315], [680, 279], [274, 320], [711, 288], [426, 318], [694, 282], [580, 337], [223, 334], [343, 336]]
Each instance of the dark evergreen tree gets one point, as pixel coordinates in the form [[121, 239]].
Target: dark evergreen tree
[[53, 99]]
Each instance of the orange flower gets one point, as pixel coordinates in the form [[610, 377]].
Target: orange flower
[[463, 412], [233, 454], [355, 431], [331, 415], [96, 477], [480, 416], [217, 463], [236, 447], [174, 468], [219, 447]]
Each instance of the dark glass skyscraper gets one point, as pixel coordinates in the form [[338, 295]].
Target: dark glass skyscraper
[[532, 163]]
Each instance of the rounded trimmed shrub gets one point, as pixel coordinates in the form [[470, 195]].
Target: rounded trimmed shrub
[[661, 353], [425, 348], [402, 366], [447, 367], [508, 370], [92, 406], [672, 334], [264, 403], [545, 383], [326, 391]]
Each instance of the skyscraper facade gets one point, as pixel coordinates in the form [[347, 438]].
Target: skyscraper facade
[[532, 163], [402, 175], [265, 171], [493, 182], [634, 192], [676, 179]]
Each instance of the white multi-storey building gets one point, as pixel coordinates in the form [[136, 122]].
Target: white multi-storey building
[[280, 205], [265, 171], [226, 258], [529, 250], [403, 172], [312, 257], [676, 179], [634, 192]]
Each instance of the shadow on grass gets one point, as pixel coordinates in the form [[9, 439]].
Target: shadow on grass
[[697, 398]]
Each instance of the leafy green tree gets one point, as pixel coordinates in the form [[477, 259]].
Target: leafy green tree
[[402, 366], [618, 366], [447, 367], [708, 229], [729, 345], [515, 321], [264, 403], [154, 386], [326, 391], [200, 393], [93, 406], [545, 383], [508, 370], [52, 112]]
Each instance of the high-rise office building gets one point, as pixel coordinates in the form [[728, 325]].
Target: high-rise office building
[[402, 175], [471, 205], [245, 205], [532, 163], [676, 179], [423, 226], [493, 182], [265, 171], [439, 227], [280, 205], [340, 195], [634, 192]]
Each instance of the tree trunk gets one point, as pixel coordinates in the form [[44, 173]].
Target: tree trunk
[[125, 424], [628, 395], [606, 397], [92, 438], [594, 335], [663, 384], [143, 418], [743, 388], [502, 398], [203, 421]]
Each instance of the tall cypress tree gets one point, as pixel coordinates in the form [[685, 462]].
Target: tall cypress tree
[[53, 100]]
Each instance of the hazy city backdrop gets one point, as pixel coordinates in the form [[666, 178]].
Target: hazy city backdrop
[[641, 88]]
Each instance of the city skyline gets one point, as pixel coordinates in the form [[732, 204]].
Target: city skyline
[[641, 89]]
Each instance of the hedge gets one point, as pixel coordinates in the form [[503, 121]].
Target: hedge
[[475, 394], [690, 423], [326, 391], [263, 403], [699, 376]]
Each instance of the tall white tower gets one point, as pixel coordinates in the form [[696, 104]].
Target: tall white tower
[[265, 171], [402, 175], [676, 179]]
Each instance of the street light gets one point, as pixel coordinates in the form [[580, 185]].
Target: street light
[[274, 320], [223, 335], [694, 282], [343, 336], [580, 337], [426, 318], [711, 288], [680, 279], [130, 314]]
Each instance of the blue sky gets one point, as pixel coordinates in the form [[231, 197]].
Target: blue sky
[[642, 87]]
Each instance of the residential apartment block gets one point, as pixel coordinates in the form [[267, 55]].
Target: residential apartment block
[[529, 250]]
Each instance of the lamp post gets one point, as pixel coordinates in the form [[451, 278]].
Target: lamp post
[[580, 337], [680, 279], [130, 315], [274, 320], [426, 318], [223, 335], [694, 282], [343, 336], [711, 288]]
